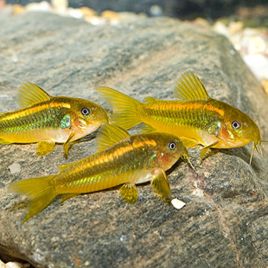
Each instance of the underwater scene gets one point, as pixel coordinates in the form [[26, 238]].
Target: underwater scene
[[133, 133]]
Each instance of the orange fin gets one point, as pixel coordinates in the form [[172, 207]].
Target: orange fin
[[31, 94], [109, 135], [190, 88]]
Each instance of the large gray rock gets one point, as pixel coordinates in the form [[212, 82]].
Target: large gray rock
[[225, 221]]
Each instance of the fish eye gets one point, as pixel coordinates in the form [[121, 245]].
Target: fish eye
[[85, 111], [236, 125], [172, 145]]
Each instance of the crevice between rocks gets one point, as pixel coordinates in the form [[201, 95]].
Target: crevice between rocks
[[9, 255]]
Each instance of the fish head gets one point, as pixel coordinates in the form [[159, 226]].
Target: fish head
[[169, 149], [88, 116], [239, 129]]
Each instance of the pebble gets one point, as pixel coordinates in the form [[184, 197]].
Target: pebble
[[252, 44], [11, 265], [14, 168], [178, 204]]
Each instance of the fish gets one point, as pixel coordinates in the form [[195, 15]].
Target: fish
[[47, 120], [121, 160], [194, 117]]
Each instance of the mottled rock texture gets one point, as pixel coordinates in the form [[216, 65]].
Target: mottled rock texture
[[225, 220]]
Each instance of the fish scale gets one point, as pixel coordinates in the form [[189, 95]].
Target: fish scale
[[48, 117], [180, 114], [115, 161]]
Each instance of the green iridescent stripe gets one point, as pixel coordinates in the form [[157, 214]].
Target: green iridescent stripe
[[197, 118], [49, 118]]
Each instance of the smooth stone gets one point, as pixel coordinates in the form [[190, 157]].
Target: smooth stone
[[224, 222]]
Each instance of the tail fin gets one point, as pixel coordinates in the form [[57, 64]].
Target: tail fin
[[40, 191], [126, 110]]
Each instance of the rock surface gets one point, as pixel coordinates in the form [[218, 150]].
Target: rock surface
[[225, 220]]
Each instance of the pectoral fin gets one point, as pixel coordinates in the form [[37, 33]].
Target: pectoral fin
[[67, 145], [205, 152], [160, 185], [129, 193], [45, 147]]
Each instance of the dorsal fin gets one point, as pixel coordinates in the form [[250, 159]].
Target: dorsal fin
[[109, 135], [31, 94], [190, 88]]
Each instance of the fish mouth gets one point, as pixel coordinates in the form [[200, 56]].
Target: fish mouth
[[91, 128], [232, 143]]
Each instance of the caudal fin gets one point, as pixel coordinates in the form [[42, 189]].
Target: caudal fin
[[126, 110], [40, 191]]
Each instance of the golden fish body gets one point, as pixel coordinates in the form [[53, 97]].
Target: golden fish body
[[195, 117], [48, 120], [204, 123], [135, 159]]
